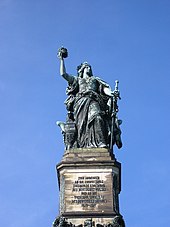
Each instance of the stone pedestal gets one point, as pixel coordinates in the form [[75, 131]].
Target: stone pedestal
[[89, 182]]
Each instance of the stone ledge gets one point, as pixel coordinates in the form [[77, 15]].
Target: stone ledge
[[89, 163], [98, 149], [88, 214], [88, 154], [88, 158]]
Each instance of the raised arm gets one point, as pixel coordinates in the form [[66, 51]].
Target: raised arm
[[62, 67], [63, 72]]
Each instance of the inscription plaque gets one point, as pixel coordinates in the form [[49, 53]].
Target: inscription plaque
[[88, 192]]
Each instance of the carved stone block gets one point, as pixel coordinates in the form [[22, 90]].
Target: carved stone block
[[89, 188]]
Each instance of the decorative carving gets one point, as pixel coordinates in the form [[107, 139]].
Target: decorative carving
[[88, 223], [69, 132], [99, 225], [61, 222], [92, 109], [116, 222]]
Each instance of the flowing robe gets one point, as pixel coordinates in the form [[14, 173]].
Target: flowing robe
[[89, 105]]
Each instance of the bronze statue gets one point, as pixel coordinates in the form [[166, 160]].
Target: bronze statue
[[92, 109]]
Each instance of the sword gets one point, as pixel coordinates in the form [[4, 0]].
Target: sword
[[114, 111]]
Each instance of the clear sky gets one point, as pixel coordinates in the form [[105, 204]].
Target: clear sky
[[128, 40]]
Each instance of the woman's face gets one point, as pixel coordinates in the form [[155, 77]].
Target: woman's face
[[87, 70]]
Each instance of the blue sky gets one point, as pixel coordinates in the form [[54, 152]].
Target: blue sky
[[124, 40]]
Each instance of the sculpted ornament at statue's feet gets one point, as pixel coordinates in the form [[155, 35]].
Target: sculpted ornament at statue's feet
[[102, 145]]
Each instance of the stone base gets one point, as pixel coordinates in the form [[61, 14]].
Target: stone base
[[89, 182]]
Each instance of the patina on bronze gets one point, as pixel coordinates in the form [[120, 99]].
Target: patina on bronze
[[92, 109]]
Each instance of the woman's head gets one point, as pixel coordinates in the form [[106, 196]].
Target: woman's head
[[84, 68]]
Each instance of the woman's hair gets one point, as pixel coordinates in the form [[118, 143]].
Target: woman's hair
[[81, 66]]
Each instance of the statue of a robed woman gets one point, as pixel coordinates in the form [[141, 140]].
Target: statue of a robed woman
[[92, 109]]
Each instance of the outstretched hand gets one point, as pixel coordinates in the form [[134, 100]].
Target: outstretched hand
[[59, 55], [62, 53]]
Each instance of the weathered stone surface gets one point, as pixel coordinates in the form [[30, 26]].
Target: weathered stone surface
[[88, 154], [87, 191], [89, 181]]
